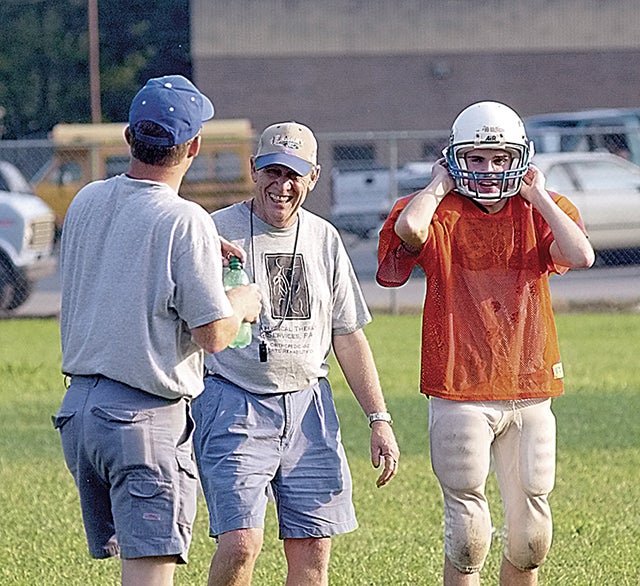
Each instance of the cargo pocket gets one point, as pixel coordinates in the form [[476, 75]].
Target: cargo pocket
[[188, 488], [151, 507], [120, 415]]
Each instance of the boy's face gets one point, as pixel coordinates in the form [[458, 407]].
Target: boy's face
[[488, 161]]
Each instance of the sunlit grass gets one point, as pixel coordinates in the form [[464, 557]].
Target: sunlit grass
[[399, 540]]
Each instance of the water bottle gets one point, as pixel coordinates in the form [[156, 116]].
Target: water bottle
[[234, 277]]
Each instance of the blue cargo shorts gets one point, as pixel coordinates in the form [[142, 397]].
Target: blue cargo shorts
[[130, 454], [248, 444]]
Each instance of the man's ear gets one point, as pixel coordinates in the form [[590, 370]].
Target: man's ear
[[315, 175], [194, 147], [252, 160], [127, 135]]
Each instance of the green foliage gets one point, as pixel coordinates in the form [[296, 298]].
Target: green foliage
[[44, 57], [44, 53], [399, 541]]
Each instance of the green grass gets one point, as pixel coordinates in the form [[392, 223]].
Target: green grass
[[399, 541]]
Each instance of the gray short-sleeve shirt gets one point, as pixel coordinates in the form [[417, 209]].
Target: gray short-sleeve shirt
[[325, 300], [141, 267]]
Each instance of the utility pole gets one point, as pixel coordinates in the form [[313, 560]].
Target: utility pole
[[94, 62]]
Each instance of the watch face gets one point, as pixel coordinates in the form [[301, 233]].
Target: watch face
[[379, 417]]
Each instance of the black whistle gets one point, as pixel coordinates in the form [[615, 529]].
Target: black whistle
[[263, 351]]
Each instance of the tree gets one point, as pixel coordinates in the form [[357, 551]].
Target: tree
[[152, 41], [44, 73]]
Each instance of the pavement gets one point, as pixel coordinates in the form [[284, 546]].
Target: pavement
[[606, 288], [595, 289]]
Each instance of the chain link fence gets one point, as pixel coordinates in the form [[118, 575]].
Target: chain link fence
[[596, 168], [362, 175]]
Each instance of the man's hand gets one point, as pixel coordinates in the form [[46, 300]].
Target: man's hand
[[246, 301], [228, 249], [384, 450]]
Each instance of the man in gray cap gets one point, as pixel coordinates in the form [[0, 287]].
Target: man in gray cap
[[142, 295], [266, 422]]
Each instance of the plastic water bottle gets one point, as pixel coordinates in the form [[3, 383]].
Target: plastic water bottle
[[234, 277]]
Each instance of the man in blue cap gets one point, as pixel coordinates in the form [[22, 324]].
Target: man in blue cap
[[142, 296]]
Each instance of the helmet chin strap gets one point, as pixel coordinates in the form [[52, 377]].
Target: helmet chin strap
[[487, 199]]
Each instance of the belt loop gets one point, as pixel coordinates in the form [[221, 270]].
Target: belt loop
[[517, 415]]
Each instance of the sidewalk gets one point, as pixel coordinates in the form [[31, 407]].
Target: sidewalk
[[596, 289]]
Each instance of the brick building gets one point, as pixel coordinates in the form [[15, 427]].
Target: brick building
[[343, 65], [407, 65]]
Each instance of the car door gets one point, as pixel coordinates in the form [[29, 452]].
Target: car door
[[608, 197]]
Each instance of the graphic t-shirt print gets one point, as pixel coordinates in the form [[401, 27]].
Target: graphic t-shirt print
[[288, 293]]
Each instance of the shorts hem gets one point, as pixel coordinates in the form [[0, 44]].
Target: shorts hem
[[248, 523], [133, 553], [319, 532]]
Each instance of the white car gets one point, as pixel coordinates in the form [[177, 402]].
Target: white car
[[606, 190], [604, 187], [27, 234]]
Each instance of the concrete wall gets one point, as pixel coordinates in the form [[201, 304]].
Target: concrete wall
[[264, 28], [401, 65]]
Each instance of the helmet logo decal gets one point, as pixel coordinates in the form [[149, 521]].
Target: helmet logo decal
[[490, 134]]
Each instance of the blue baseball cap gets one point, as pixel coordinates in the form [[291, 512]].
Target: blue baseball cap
[[174, 103]]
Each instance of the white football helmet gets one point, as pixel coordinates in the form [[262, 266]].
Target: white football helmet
[[488, 125]]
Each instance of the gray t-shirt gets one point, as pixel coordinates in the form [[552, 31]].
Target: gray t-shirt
[[326, 300], [141, 267]]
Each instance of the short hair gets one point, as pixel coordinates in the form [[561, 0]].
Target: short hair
[[161, 156]]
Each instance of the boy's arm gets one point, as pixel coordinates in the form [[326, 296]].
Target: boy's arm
[[570, 247], [407, 228], [412, 225]]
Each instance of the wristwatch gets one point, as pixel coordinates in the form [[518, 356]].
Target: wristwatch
[[380, 416]]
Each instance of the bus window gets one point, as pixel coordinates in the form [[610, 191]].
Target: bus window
[[220, 174]]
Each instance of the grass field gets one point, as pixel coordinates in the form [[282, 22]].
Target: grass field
[[399, 541]]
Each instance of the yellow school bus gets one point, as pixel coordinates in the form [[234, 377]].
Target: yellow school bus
[[220, 174]]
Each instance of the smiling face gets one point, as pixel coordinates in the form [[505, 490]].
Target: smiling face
[[280, 192]]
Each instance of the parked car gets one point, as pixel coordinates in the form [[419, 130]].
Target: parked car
[[27, 234], [614, 130], [606, 189], [361, 199]]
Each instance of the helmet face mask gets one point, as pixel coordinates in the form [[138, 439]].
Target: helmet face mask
[[488, 125]]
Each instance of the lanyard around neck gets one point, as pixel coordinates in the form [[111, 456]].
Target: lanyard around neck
[[268, 331]]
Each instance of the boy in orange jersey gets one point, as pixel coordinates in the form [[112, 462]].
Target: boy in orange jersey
[[488, 235]]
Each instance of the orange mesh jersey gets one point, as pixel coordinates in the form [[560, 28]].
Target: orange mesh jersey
[[488, 331]]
